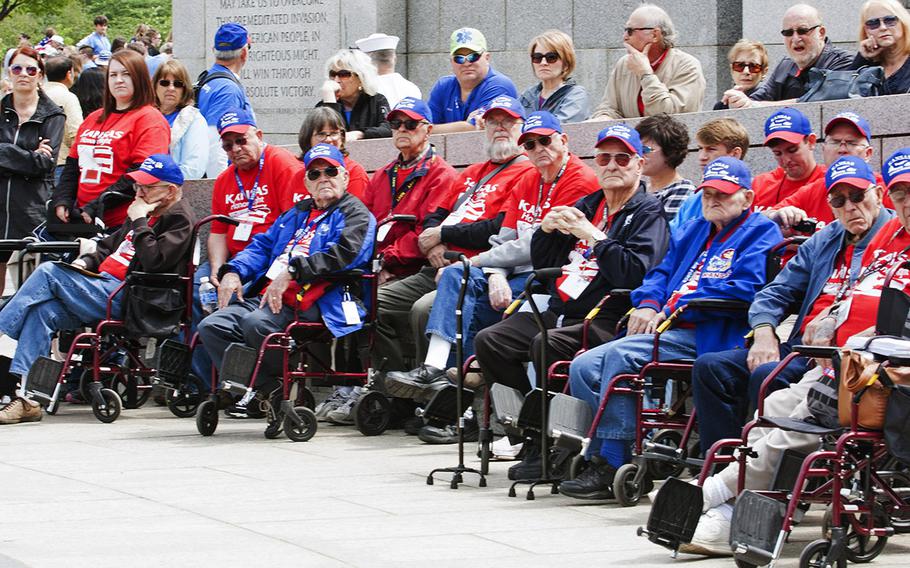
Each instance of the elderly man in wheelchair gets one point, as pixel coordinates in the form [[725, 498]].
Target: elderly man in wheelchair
[[327, 233], [155, 238], [721, 256]]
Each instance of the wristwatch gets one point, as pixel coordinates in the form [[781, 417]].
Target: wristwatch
[[598, 236]]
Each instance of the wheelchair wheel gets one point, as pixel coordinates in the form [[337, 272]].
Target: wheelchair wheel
[[143, 390], [273, 430], [816, 556], [663, 469], [112, 407], [372, 413], [207, 418], [305, 429], [626, 491], [184, 403], [860, 549]]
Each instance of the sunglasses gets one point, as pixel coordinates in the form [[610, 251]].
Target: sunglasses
[[740, 66], [178, 84], [630, 31], [316, 173], [604, 158], [875, 23], [798, 31], [544, 141], [409, 124], [469, 58], [343, 73], [839, 200], [31, 70], [227, 145], [550, 56]]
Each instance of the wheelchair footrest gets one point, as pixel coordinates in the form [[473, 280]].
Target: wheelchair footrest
[[43, 378], [507, 403], [529, 417], [173, 363], [675, 513], [755, 527], [442, 410], [237, 367], [569, 417]]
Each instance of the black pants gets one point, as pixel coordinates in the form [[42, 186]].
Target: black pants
[[504, 348]]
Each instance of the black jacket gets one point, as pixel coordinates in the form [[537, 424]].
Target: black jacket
[[786, 81], [368, 115], [27, 177], [636, 242]]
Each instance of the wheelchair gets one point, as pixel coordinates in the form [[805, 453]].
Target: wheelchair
[[115, 363]]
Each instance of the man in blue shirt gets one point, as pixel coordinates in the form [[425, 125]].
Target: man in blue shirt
[[456, 100], [97, 40], [221, 89]]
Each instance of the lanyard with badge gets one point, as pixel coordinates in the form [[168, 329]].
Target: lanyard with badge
[[538, 212], [282, 261], [245, 228], [399, 193], [582, 273]]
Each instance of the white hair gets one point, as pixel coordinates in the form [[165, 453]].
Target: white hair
[[358, 62], [661, 20]]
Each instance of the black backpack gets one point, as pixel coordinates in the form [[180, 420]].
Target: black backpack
[[205, 77]]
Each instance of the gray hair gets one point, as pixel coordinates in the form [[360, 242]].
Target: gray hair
[[358, 62], [660, 20], [228, 55]]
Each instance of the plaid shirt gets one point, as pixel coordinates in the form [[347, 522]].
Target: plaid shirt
[[672, 196]]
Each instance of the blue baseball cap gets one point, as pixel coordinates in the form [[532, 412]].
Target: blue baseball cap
[[325, 152], [787, 124], [413, 108], [622, 133], [854, 120], [897, 167], [507, 104], [727, 175], [540, 122], [231, 36], [155, 168], [850, 170], [235, 120]]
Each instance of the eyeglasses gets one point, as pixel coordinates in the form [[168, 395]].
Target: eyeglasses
[[178, 84], [604, 158], [550, 56], [343, 73], [798, 31], [875, 23], [326, 134], [544, 141], [316, 173], [849, 144], [898, 196], [740, 66], [630, 31], [506, 123], [31, 70], [839, 200], [140, 188], [227, 145], [409, 124], [469, 58]]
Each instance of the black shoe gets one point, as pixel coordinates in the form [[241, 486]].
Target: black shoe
[[595, 482], [448, 435], [529, 466], [413, 425], [413, 383]]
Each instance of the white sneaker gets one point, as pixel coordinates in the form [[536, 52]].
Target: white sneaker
[[332, 402], [342, 414], [712, 535], [503, 450]]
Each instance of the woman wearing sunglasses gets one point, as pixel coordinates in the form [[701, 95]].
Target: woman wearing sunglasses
[[324, 125], [748, 66], [30, 135], [552, 61], [884, 39], [352, 91], [189, 131]]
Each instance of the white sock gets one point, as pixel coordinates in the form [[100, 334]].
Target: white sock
[[438, 352], [715, 493]]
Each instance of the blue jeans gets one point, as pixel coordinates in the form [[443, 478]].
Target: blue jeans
[[477, 313], [53, 298], [590, 374], [723, 388]]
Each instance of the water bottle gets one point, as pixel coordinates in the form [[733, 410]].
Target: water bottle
[[208, 295]]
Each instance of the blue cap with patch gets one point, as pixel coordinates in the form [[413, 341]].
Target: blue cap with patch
[[506, 104], [155, 168], [727, 175], [853, 120], [622, 133], [231, 36], [850, 170], [897, 167], [235, 120], [326, 152], [413, 108], [540, 122], [787, 124]]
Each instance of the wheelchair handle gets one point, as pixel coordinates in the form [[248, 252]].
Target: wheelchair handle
[[454, 255], [211, 218], [53, 246], [809, 225], [815, 351], [547, 273], [12, 245]]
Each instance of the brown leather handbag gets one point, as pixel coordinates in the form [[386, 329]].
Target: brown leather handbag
[[859, 371]]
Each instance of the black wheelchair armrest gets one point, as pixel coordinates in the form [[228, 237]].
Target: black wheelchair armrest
[[12, 245], [152, 278], [816, 351], [53, 246], [620, 293], [344, 276], [717, 304], [85, 230], [403, 218]]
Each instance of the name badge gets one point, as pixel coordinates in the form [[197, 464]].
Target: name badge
[[243, 231], [351, 315], [573, 286]]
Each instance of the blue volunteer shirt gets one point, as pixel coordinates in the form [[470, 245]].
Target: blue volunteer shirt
[[97, 41], [220, 95], [445, 98]]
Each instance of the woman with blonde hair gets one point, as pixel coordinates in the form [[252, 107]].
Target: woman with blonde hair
[[748, 66], [884, 39], [189, 132], [552, 61], [352, 91]]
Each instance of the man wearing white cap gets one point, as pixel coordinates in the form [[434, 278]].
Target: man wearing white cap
[[381, 49]]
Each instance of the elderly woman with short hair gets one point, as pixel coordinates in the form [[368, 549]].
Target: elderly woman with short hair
[[884, 39], [351, 90], [189, 131], [748, 66], [553, 60]]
